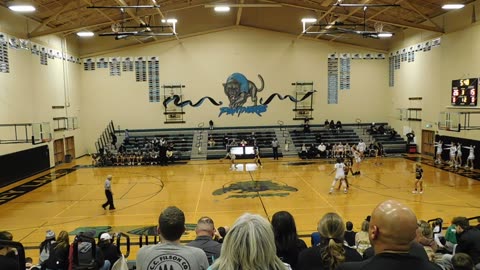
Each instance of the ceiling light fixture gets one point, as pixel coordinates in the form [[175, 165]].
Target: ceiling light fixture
[[169, 20], [85, 34], [222, 8], [453, 6], [309, 20], [385, 35], [21, 6]]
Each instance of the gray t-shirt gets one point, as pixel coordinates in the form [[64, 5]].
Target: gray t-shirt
[[171, 256]]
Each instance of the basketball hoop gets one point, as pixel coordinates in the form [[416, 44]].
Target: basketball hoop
[[378, 27]]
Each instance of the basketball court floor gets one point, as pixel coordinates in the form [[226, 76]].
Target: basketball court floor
[[70, 197]]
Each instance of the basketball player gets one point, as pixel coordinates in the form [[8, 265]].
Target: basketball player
[[258, 161], [348, 168], [339, 175], [340, 150], [438, 154], [453, 152], [471, 156], [232, 160], [357, 156], [361, 147], [419, 179], [458, 157], [322, 150]]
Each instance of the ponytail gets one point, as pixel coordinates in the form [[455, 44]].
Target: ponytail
[[333, 254]]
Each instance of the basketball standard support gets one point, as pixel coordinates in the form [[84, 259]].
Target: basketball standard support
[[33, 133], [458, 121]]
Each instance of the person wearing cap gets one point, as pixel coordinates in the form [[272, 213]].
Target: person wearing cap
[[108, 193], [110, 251], [45, 246]]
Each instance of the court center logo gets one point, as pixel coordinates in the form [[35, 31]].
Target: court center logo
[[238, 90], [169, 262], [255, 189]]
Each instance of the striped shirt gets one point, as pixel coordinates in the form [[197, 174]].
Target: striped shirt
[[108, 185]]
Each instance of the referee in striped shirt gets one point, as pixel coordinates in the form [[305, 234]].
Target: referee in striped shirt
[[108, 193]]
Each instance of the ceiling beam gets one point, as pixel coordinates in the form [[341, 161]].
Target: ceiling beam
[[162, 17], [344, 17], [326, 2], [318, 20], [371, 17], [133, 16], [63, 29], [239, 13], [53, 17], [400, 23], [423, 15]]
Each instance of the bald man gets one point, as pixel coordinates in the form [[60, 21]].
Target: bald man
[[205, 231], [392, 230]]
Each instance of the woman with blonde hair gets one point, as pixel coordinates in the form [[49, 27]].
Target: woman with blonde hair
[[331, 251], [425, 238], [58, 259], [362, 242], [249, 245]]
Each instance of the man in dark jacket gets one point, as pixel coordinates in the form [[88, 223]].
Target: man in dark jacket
[[392, 230], [468, 239], [205, 231], [110, 251]]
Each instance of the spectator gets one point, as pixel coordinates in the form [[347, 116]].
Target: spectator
[[210, 124], [58, 259], [331, 125], [331, 251], [393, 133], [286, 239], [462, 261], [392, 229], [45, 247], [326, 124], [425, 238], [338, 126], [416, 250], [349, 234], [450, 237], [211, 142], [169, 253], [362, 242], [468, 240], [114, 140], [220, 234], [306, 127], [410, 137], [249, 244], [381, 129], [205, 231], [110, 251], [373, 128], [7, 259], [29, 264], [127, 137]]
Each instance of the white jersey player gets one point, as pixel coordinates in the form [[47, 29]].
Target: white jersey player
[[438, 154], [471, 156], [339, 175]]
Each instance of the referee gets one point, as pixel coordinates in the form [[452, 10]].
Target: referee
[[108, 193]]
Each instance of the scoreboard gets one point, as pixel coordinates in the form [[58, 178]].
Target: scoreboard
[[464, 92]]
